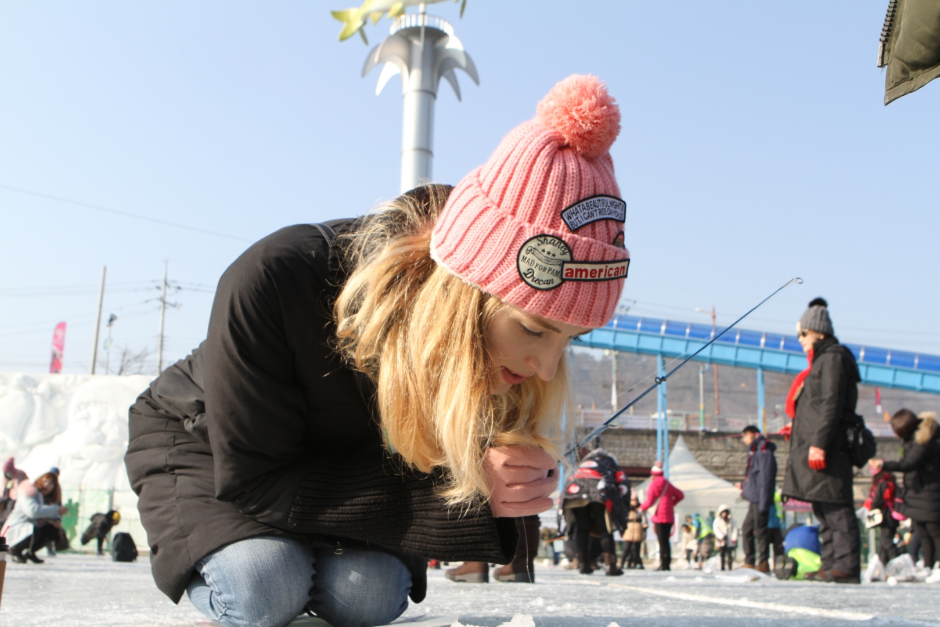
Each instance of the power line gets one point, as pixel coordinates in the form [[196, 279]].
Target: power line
[[125, 214]]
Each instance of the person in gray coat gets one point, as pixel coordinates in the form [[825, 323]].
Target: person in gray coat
[[819, 467]]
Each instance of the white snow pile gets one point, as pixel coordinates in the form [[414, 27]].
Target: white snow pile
[[519, 620], [77, 423]]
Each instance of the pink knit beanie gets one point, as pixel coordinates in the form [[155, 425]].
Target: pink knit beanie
[[540, 224]]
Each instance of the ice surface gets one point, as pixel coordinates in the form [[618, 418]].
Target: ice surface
[[84, 591]]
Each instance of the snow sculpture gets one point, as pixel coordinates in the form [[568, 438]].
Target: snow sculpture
[[77, 423]]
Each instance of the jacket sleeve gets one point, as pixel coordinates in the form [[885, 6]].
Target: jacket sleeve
[[34, 510], [914, 459], [652, 494], [677, 494], [767, 476], [255, 412], [354, 501], [832, 383]]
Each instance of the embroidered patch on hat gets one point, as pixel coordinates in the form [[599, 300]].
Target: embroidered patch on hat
[[595, 270], [594, 208], [540, 261], [544, 262]]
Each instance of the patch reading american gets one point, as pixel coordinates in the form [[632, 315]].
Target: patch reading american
[[544, 263], [595, 270], [540, 261], [600, 207]]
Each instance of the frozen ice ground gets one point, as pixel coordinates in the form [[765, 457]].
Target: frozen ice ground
[[80, 591]]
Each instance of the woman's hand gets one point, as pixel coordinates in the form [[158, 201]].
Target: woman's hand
[[63, 509], [520, 479], [876, 465], [817, 458]]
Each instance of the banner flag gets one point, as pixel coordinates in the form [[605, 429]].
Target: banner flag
[[58, 347]]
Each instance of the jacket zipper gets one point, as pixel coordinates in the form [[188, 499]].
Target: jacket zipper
[[886, 32]]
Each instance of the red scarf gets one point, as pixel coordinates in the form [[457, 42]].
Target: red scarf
[[797, 386]]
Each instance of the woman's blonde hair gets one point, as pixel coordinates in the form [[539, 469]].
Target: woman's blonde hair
[[419, 332]]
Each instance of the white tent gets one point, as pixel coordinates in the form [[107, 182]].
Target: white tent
[[704, 491]]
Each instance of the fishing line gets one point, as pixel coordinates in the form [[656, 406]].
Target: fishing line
[[658, 380]]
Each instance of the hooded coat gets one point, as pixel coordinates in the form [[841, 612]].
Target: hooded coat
[[760, 482], [921, 467], [264, 431], [825, 408], [726, 533]]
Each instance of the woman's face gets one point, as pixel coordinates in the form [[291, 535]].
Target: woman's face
[[808, 338], [47, 487], [523, 345]]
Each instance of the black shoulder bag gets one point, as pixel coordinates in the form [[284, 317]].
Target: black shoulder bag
[[862, 445]]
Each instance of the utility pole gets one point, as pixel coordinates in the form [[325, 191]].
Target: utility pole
[[715, 366], [94, 347], [701, 397], [166, 270], [613, 380]]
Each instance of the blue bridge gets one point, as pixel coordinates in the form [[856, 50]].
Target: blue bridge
[[742, 348]]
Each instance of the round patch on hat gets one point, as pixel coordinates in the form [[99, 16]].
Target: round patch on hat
[[540, 261]]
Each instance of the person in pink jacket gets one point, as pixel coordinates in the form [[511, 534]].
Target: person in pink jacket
[[664, 496]]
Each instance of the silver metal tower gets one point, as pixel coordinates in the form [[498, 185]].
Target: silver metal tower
[[423, 49]]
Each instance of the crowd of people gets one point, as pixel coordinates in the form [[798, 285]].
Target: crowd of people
[[826, 445]]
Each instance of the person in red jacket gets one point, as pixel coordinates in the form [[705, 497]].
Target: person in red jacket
[[664, 496], [884, 489]]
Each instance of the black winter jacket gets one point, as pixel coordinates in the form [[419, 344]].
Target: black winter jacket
[[824, 409], [921, 468], [760, 483], [262, 431]]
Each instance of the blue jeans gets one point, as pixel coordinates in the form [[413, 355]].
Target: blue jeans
[[267, 582]]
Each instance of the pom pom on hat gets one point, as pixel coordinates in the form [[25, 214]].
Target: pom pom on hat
[[816, 318], [584, 113], [657, 468]]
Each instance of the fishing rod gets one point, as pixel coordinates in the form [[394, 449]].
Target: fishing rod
[[659, 380]]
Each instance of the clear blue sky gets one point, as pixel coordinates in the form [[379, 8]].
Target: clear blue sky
[[755, 148]]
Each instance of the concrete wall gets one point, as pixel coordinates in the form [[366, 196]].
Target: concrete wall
[[721, 453]]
